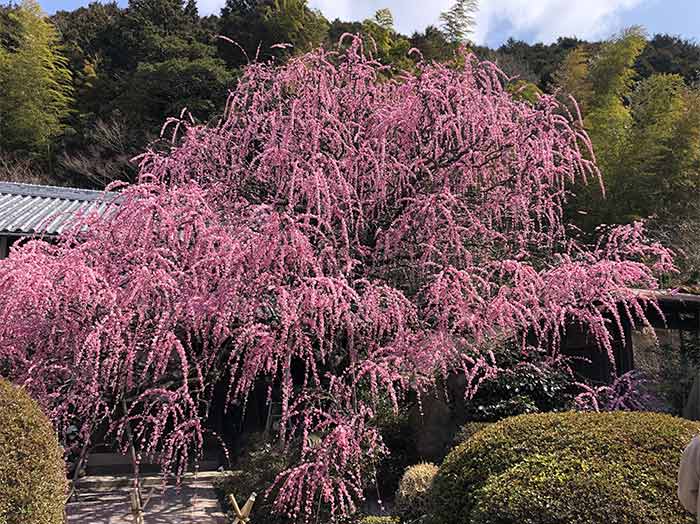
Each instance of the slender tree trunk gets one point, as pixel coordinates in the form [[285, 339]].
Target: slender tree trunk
[[136, 497]]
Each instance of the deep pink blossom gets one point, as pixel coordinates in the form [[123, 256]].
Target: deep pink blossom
[[625, 393], [372, 231]]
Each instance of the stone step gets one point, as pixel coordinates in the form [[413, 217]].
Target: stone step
[[106, 464], [195, 502], [96, 483]]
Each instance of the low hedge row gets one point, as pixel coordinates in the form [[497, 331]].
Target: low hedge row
[[566, 468]]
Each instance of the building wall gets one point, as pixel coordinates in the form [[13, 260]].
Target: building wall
[[669, 359]]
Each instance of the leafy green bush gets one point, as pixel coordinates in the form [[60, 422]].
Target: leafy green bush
[[468, 430], [521, 389], [556, 490], [398, 437], [621, 465], [412, 495], [32, 471]]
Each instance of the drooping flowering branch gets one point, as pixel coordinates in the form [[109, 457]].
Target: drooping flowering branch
[[625, 393], [341, 234]]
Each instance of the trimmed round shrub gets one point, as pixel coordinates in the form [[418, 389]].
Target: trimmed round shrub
[[555, 490], [468, 430], [32, 470], [584, 464], [412, 495]]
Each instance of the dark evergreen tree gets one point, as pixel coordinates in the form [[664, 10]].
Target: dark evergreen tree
[[671, 55]]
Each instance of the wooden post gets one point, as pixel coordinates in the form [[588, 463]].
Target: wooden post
[[136, 510], [242, 515]]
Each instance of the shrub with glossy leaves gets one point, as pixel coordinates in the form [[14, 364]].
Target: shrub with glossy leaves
[[412, 495], [564, 464], [525, 388], [32, 471], [529, 381]]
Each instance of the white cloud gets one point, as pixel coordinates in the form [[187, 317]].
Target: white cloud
[[545, 20], [210, 7], [409, 15], [541, 20]]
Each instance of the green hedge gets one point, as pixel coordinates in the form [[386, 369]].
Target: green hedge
[[556, 490], [573, 468], [32, 470], [468, 430]]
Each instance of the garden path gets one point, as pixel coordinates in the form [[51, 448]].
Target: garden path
[[194, 503]]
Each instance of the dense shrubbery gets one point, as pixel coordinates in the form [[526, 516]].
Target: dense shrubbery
[[582, 468], [556, 490], [412, 495], [32, 472], [532, 384], [397, 435], [468, 430]]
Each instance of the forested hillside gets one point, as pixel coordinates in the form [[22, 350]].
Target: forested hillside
[[85, 91]]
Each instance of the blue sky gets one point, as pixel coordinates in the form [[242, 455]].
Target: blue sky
[[530, 20]]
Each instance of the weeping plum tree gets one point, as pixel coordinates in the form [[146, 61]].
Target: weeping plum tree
[[372, 232]]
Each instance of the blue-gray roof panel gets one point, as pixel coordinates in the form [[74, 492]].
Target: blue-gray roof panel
[[27, 209]]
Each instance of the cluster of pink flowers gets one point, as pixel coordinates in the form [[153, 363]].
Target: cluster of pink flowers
[[624, 393], [370, 230]]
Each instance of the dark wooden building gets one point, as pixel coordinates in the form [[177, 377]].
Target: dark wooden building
[[667, 352]]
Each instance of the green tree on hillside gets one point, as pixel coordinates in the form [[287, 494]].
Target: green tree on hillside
[[611, 76], [664, 152], [543, 60], [573, 79], [459, 20], [10, 29], [385, 19], [36, 82], [302, 27], [433, 44], [602, 86], [671, 55], [257, 25], [646, 135], [391, 47], [135, 67], [98, 56]]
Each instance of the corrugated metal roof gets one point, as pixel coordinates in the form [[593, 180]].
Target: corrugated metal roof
[[27, 209]]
